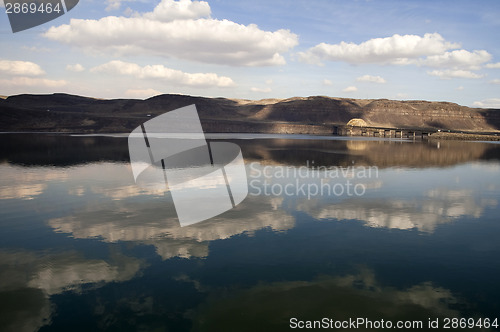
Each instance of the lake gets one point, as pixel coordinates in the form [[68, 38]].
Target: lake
[[333, 229]]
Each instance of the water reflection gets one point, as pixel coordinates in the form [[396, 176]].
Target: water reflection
[[110, 207], [424, 213], [73, 224], [63, 150], [27, 183], [270, 307], [30, 278], [155, 223]]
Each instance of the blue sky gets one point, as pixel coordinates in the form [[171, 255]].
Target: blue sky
[[431, 50]]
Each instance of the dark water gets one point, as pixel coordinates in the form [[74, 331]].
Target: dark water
[[417, 237]]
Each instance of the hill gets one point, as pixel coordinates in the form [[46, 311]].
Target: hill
[[313, 115]]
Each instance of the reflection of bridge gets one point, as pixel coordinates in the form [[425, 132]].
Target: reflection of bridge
[[347, 130]]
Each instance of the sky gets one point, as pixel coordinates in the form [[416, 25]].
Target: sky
[[404, 50]]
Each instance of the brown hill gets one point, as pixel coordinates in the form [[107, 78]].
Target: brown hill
[[316, 115]]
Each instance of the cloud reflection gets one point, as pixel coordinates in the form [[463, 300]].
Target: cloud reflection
[[29, 279], [27, 183], [154, 222], [424, 213]]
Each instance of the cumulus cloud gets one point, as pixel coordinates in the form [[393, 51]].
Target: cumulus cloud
[[142, 93], [431, 50], [24, 68], [454, 73], [163, 73], [327, 82], [371, 79], [31, 81], [493, 65], [350, 89], [179, 29], [458, 59], [170, 10], [488, 103], [77, 68], [25, 74], [380, 50]]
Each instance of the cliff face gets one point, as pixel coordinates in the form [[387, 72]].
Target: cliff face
[[311, 115], [424, 114]]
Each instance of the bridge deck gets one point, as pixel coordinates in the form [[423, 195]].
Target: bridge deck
[[346, 130]]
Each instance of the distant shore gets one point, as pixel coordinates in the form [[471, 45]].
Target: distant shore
[[464, 136], [315, 115]]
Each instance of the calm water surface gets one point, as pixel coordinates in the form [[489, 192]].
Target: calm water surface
[[82, 248]]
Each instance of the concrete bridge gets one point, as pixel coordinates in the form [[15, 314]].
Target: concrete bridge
[[348, 130]]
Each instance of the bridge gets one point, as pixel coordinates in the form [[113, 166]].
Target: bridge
[[350, 130]]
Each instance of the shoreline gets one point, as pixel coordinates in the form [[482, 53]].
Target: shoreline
[[464, 136], [473, 137]]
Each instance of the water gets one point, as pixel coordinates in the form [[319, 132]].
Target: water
[[82, 248]]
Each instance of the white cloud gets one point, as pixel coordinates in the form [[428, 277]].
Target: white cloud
[[431, 50], [142, 93], [263, 90], [371, 79], [170, 10], [77, 68], [30, 81], [163, 73], [495, 81], [460, 88], [180, 30], [327, 82], [380, 50], [350, 89], [493, 65], [25, 68], [454, 73], [458, 59], [269, 81], [488, 103]]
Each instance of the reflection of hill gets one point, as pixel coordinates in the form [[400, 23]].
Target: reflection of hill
[[367, 152], [61, 150], [57, 150]]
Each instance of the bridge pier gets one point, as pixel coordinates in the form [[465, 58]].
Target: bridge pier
[[389, 133], [349, 130]]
